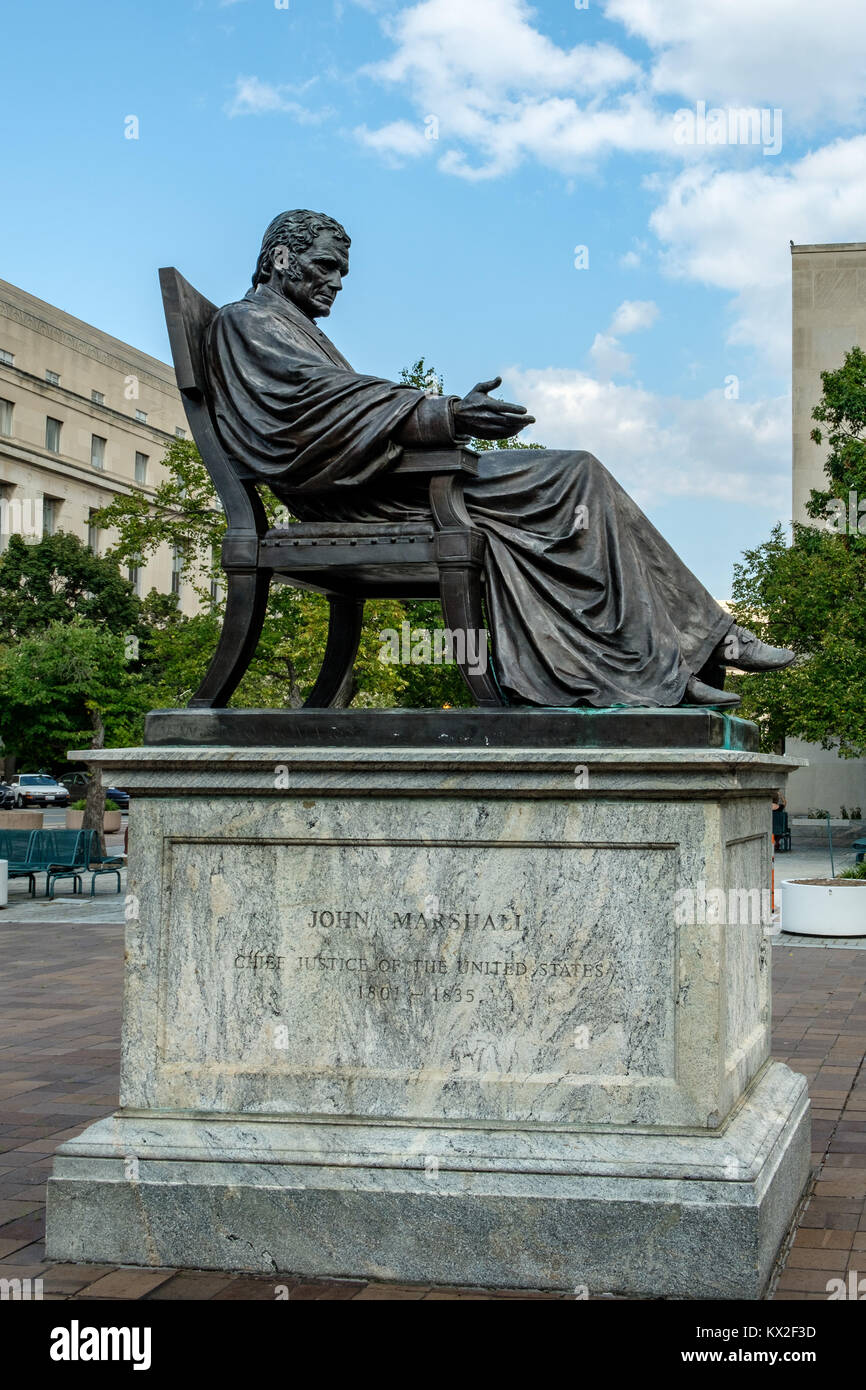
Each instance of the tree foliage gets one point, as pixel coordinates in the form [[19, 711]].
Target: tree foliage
[[67, 687], [59, 579], [811, 595]]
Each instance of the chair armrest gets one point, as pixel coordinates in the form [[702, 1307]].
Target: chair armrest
[[429, 462]]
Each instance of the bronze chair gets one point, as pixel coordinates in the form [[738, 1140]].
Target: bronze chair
[[347, 562]]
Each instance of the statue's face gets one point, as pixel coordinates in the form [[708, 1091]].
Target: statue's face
[[318, 276]]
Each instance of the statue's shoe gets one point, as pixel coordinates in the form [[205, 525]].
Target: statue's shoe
[[743, 650], [697, 693]]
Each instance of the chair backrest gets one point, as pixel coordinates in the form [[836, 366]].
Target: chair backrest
[[779, 819], [188, 315], [60, 846], [15, 844]]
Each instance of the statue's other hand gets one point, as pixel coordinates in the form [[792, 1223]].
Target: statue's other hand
[[481, 414]]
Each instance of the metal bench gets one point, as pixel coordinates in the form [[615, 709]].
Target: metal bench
[[15, 848], [60, 854], [107, 864], [348, 563]]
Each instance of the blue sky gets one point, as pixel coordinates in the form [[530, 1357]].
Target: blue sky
[[668, 355]]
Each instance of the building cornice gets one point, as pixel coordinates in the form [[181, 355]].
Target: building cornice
[[142, 365], [830, 247]]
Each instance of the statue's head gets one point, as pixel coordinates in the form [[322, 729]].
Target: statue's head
[[304, 256]]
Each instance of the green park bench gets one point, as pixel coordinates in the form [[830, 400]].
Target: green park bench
[[15, 849], [58, 854], [83, 859], [108, 864]]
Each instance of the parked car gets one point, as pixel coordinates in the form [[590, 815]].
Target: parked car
[[7, 797], [38, 789], [76, 784]]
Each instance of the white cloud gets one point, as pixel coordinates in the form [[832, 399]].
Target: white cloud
[[252, 97], [608, 358], [662, 447], [399, 139], [805, 57], [503, 91], [634, 315], [730, 229]]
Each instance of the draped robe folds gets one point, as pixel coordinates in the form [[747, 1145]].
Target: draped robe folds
[[587, 603]]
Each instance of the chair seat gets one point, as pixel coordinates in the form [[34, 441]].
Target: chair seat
[[313, 532]]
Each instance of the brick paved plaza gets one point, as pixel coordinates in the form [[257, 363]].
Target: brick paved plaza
[[60, 1000]]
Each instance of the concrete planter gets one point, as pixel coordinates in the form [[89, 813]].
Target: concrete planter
[[20, 820], [832, 907], [111, 821]]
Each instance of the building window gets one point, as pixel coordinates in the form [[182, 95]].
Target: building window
[[7, 358], [52, 435], [141, 468], [97, 398], [141, 417], [97, 450], [53, 378], [176, 569], [6, 417], [179, 433], [50, 507], [92, 531], [133, 574]]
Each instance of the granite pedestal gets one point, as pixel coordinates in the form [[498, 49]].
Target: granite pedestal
[[491, 1015]]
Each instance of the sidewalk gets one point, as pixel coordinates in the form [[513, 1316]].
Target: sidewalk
[[60, 1001]]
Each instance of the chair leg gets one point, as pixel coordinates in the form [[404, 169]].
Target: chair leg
[[333, 688], [246, 605], [460, 593]]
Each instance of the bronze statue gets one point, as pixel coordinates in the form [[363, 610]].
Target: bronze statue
[[587, 603]]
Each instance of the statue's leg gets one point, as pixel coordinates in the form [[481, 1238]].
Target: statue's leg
[[246, 605], [333, 688]]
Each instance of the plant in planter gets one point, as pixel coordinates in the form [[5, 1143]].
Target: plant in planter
[[75, 815]]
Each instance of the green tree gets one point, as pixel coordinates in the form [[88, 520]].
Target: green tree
[[842, 410], [66, 687], [57, 580], [811, 595]]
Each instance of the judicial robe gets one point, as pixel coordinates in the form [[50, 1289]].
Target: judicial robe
[[587, 603]]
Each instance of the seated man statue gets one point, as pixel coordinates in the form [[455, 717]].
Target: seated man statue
[[587, 603]]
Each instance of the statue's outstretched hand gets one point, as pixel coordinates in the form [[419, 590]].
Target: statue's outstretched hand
[[482, 415]]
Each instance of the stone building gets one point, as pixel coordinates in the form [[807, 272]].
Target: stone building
[[828, 318], [83, 418]]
